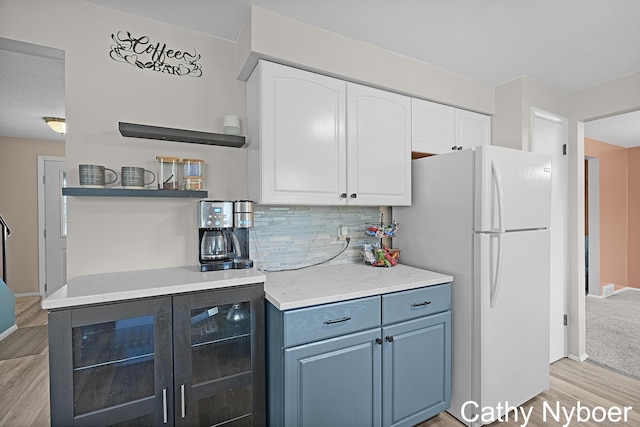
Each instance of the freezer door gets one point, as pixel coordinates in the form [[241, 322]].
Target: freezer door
[[512, 189], [512, 306]]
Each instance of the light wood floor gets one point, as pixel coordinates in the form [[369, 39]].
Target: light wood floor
[[24, 392]]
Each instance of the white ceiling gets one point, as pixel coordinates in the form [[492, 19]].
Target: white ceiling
[[566, 44]]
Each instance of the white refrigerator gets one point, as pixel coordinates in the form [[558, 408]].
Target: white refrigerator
[[482, 215]]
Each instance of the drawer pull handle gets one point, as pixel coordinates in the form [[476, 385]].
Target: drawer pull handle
[[182, 405], [420, 304], [164, 405], [344, 319]]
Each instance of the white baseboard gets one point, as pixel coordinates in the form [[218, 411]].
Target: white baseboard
[[581, 358], [8, 332], [614, 292], [27, 294]]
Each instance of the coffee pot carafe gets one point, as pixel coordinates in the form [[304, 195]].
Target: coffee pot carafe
[[223, 243], [213, 245]]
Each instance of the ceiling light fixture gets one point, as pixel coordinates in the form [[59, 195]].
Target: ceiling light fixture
[[56, 124]]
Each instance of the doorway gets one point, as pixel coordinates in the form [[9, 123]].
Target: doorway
[[52, 224], [549, 134]]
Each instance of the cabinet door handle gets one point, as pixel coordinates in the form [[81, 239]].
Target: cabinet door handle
[[389, 338], [420, 304], [343, 195], [344, 319], [164, 404], [182, 403], [354, 195], [379, 341]]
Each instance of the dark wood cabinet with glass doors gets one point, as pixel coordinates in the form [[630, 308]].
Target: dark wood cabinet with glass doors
[[181, 360]]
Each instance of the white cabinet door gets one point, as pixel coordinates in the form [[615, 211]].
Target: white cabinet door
[[433, 127], [438, 128], [378, 147], [297, 137], [472, 129]]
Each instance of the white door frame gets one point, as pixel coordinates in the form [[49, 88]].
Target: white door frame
[[537, 113], [42, 253], [593, 176]]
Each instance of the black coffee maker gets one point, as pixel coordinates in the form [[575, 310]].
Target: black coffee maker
[[223, 234]]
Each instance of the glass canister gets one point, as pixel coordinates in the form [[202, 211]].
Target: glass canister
[[193, 174], [167, 172]]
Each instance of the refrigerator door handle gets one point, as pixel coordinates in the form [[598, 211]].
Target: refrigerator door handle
[[499, 193], [495, 283]]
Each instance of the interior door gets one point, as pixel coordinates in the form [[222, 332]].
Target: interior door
[[512, 270], [512, 189], [55, 225], [548, 138]]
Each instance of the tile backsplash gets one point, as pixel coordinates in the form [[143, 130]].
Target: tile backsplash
[[289, 237]]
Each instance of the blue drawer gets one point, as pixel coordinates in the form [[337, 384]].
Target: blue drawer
[[330, 320], [405, 305]]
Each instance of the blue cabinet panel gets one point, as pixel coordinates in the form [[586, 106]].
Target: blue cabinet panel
[[330, 320], [416, 369], [334, 382]]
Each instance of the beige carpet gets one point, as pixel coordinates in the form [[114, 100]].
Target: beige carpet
[[613, 331], [25, 341]]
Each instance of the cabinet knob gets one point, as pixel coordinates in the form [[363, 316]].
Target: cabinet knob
[[454, 148], [389, 338], [354, 195], [379, 341], [343, 195], [459, 147]]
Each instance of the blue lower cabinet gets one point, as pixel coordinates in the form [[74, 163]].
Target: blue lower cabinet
[[375, 361], [334, 382], [416, 369]]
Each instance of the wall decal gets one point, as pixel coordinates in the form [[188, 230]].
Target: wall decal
[[143, 53]]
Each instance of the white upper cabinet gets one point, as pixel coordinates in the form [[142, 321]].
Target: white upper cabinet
[[316, 140], [433, 129], [438, 128], [472, 129], [296, 136], [378, 147]]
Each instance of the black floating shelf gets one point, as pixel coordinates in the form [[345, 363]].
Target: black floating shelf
[[179, 135], [125, 192]]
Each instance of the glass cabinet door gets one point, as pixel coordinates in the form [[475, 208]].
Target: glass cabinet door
[[117, 353], [217, 358]]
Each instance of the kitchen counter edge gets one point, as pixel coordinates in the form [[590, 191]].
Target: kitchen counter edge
[[122, 286], [289, 290]]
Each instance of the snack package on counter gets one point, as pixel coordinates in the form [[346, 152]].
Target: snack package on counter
[[380, 257]]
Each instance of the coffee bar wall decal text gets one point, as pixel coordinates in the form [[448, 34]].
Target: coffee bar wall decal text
[[143, 53]]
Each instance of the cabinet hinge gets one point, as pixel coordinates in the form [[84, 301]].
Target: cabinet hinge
[[564, 149], [45, 288], [565, 320], [44, 233], [44, 179]]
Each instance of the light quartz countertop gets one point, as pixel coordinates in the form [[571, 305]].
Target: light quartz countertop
[[285, 290], [121, 286], [320, 285]]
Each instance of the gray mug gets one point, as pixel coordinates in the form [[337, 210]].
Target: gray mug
[[133, 177], [94, 175]]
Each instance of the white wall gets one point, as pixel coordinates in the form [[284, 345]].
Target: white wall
[[272, 36], [112, 234]]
